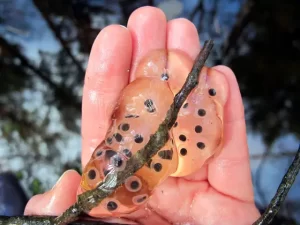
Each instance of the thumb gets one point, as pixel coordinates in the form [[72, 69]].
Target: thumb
[[58, 199]]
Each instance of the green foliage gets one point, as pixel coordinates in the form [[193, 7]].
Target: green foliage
[[36, 187], [19, 175]]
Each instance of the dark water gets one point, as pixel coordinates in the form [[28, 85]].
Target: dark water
[[44, 50]]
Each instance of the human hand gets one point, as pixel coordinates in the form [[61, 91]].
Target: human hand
[[220, 192]]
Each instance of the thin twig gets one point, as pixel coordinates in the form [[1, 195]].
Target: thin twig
[[93, 198], [281, 193], [66, 95], [47, 220], [242, 21], [43, 7], [278, 155]]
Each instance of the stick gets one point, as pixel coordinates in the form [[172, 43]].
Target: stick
[[42, 220], [90, 199], [282, 191]]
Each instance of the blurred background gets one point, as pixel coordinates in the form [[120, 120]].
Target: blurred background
[[44, 48]]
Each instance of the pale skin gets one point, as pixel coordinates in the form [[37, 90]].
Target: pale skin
[[220, 192]]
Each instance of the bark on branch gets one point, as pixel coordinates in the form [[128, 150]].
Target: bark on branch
[[282, 191], [42, 6], [65, 95], [279, 155], [91, 199], [243, 19]]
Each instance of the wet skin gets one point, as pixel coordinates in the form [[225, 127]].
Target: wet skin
[[218, 193]]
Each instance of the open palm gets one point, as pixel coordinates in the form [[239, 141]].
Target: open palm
[[219, 193]]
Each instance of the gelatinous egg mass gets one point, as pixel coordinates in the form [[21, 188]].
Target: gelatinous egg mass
[[195, 137]]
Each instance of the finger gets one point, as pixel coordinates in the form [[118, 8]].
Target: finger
[[107, 74], [183, 35], [148, 30], [230, 172], [147, 27], [58, 199]]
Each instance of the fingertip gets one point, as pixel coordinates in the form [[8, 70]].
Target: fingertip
[[56, 200], [33, 205], [183, 36], [144, 12], [111, 38], [228, 73], [148, 30], [225, 70]]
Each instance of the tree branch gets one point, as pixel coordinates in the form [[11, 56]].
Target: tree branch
[[199, 8], [66, 95], [112, 181], [92, 198], [30, 220], [43, 8], [242, 21], [273, 155], [281, 193]]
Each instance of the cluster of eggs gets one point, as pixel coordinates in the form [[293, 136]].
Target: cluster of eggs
[[195, 138]]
